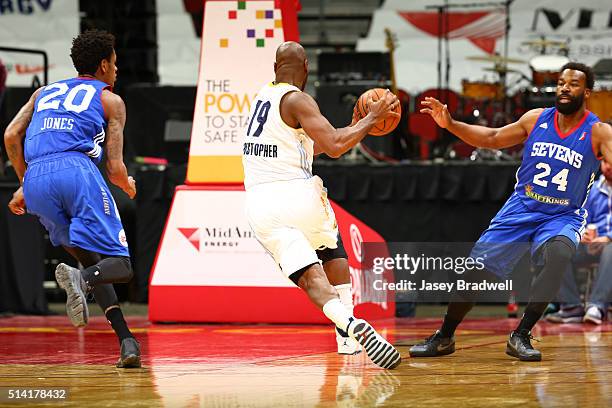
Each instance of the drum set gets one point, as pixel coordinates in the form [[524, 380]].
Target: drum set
[[544, 71], [502, 101]]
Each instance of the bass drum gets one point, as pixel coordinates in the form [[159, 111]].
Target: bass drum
[[481, 90], [545, 69]]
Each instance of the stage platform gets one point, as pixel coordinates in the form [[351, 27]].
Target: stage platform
[[296, 366]]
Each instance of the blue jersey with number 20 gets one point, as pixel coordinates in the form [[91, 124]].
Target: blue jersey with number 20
[[68, 116], [62, 185]]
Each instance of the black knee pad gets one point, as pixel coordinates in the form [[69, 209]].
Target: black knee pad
[[560, 249], [128, 265], [557, 253], [119, 267]]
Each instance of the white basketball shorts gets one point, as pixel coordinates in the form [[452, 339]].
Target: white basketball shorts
[[292, 219]]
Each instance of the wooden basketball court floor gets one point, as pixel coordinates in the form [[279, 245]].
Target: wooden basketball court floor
[[296, 366]]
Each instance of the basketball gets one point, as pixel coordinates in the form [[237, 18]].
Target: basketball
[[384, 126]]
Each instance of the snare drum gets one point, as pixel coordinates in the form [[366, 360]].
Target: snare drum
[[545, 69]]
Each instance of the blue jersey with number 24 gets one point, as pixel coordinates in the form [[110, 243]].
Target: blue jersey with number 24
[[558, 169]]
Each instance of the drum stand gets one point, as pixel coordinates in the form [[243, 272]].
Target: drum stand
[[358, 154], [443, 28], [362, 153]]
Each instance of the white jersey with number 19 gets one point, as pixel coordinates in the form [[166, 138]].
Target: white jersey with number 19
[[272, 150]]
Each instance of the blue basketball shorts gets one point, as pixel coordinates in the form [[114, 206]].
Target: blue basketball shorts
[[68, 194], [516, 229]]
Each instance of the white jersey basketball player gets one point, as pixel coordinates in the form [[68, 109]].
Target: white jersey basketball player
[[287, 206]]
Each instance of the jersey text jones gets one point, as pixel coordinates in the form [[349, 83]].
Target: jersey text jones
[[57, 123]]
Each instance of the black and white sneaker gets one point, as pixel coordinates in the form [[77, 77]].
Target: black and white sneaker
[[72, 282], [347, 345], [519, 346], [379, 350], [434, 346]]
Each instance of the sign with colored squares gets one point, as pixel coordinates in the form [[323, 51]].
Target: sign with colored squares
[[239, 41], [269, 22]]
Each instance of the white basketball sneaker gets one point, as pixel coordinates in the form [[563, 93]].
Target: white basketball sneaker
[[347, 345]]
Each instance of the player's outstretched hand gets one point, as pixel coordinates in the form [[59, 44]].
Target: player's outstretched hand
[[131, 191], [437, 110], [17, 203], [385, 106]]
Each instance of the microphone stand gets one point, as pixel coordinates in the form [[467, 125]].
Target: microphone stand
[[444, 21]]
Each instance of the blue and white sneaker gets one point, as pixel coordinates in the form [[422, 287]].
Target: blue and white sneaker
[[566, 315]]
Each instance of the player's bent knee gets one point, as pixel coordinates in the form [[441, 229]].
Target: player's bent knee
[[119, 267], [128, 266], [559, 248]]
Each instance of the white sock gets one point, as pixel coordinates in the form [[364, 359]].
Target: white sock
[[344, 291], [337, 313]]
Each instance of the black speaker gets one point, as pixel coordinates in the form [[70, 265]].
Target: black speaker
[[336, 103], [361, 66], [150, 108]]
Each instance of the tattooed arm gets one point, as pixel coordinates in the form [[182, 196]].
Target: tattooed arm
[[14, 134], [115, 168], [13, 141]]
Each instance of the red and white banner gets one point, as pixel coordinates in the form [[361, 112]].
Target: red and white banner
[[210, 267], [208, 242], [354, 233], [480, 31], [47, 25]]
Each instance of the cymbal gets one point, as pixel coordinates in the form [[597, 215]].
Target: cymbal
[[545, 43], [501, 70], [497, 59]]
